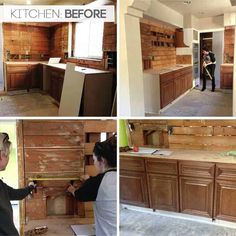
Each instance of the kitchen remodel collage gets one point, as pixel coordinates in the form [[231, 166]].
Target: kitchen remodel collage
[[118, 118]]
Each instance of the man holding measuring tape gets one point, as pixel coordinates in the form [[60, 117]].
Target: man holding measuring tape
[[209, 65]]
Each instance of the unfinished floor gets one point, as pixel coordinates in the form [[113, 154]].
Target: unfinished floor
[[27, 104], [197, 103], [138, 223]]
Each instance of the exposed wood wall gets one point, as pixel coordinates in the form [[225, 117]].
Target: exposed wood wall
[[57, 148], [183, 59], [229, 44], [25, 42], [158, 44], [186, 134]]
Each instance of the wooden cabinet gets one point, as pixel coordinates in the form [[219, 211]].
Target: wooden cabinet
[[133, 183], [133, 188], [226, 77], [162, 182], [196, 187], [167, 93], [17, 77], [36, 78], [225, 192], [174, 84], [179, 38], [56, 83], [23, 76]]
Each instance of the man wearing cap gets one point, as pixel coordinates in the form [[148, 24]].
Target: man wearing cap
[[7, 193]]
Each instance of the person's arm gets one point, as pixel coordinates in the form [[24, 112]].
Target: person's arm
[[89, 190], [18, 194]]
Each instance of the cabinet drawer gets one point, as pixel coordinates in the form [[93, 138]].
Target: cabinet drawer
[[161, 166], [196, 169], [132, 163], [226, 171], [17, 69]]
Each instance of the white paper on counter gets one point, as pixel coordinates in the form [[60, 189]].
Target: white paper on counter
[[144, 150], [162, 153]]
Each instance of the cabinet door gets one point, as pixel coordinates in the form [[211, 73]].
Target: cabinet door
[[17, 81], [225, 200], [17, 77], [36, 80], [167, 93], [163, 192], [196, 196], [133, 188], [179, 86]]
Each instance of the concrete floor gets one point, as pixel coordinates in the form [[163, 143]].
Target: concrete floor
[[197, 103], [27, 104], [138, 223]]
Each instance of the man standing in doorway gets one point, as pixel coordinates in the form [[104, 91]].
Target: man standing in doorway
[[209, 65]]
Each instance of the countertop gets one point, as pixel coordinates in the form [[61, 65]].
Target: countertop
[[167, 69], [62, 66], [189, 155]]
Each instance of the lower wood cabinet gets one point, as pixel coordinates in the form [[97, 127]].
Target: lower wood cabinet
[[226, 77], [225, 192], [133, 188], [163, 192], [56, 83], [196, 196], [192, 187], [225, 199], [24, 76], [174, 84]]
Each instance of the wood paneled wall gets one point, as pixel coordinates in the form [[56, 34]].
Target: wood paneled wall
[[159, 56], [25, 41], [57, 148], [187, 134], [59, 40], [229, 44]]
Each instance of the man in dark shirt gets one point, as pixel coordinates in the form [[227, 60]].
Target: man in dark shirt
[[7, 193], [209, 65]]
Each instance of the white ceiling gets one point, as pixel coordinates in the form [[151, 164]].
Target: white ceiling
[[200, 8]]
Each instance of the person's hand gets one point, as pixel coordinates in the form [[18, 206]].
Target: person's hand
[[32, 185], [71, 189], [84, 177], [204, 64]]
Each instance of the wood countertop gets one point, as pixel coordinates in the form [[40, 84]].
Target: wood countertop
[[189, 155], [167, 69]]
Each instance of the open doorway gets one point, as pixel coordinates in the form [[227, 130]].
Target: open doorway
[[214, 41], [10, 175]]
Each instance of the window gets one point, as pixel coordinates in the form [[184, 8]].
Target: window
[[89, 39]]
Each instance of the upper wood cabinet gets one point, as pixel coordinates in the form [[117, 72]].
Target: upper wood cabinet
[[179, 38]]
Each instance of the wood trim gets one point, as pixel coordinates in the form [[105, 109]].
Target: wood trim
[[21, 171]]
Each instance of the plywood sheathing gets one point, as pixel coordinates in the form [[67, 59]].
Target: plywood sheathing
[[25, 40], [188, 134]]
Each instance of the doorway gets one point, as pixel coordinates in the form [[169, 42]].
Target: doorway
[[214, 41]]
